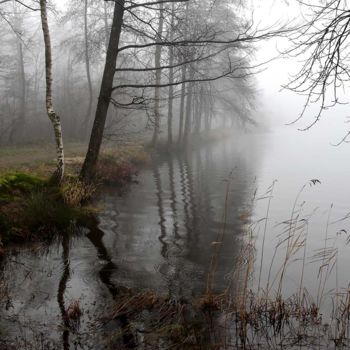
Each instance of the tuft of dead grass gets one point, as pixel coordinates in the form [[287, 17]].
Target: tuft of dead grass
[[119, 166], [76, 192]]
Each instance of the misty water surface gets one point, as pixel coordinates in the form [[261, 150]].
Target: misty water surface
[[159, 234]]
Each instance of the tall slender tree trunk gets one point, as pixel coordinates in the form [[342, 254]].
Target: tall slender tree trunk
[[195, 108], [54, 118], [19, 122], [70, 106], [171, 80], [22, 109], [157, 58], [89, 167], [183, 89], [188, 122], [87, 63], [201, 107], [207, 111], [105, 8], [199, 113], [182, 104], [36, 88]]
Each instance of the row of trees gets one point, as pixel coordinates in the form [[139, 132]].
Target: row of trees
[[174, 66], [174, 54]]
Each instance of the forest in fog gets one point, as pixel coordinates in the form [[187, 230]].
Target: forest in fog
[[166, 175], [182, 67]]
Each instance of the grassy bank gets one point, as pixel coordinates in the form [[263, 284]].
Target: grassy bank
[[31, 209]]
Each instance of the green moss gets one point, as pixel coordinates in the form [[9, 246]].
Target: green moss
[[12, 182], [33, 210]]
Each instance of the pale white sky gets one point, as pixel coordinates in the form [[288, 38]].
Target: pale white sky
[[269, 13], [278, 105]]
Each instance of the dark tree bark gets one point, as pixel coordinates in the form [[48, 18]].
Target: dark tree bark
[[87, 63], [188, 122], [158, 54], [19, 122], [22, 109], [182, 104], [89, 167], [199, 111], [171, 80]]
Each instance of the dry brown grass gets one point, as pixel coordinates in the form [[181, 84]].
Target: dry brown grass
[[119, 166], [40, 159], [75, 192], [131, 153]]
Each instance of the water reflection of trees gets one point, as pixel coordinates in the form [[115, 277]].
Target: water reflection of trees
[[159, 235], [160, 205], [62, 288], [106, 277], [105, 273], [178, 208]]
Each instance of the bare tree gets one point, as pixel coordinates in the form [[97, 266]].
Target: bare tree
[[54, 118], [143, 40], [323, 43], [203, 51], [19, 118], [171, 78], [87, 62], [157, 61], [89, 166]]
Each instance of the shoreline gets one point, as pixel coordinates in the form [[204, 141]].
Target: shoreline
[[32, 210]]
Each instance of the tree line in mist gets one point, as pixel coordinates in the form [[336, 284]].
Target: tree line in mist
[[170, 69]]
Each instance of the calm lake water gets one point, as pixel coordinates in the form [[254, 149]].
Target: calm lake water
[[159, 235]]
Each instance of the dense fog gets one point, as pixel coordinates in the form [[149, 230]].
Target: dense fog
[[222, 92], [174, 174]]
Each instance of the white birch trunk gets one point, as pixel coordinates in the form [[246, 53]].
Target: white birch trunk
[[54, 118]]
